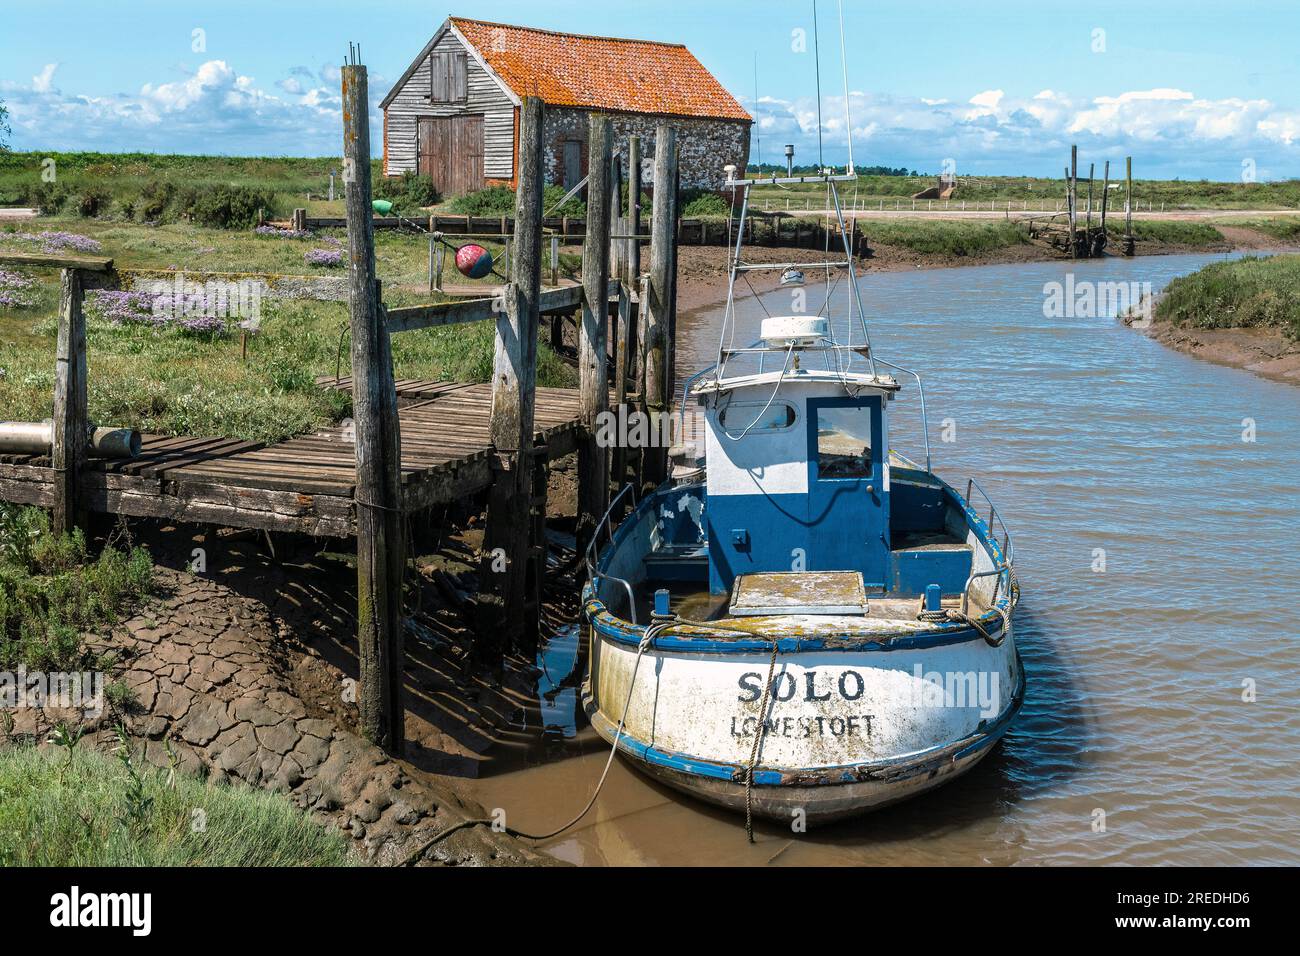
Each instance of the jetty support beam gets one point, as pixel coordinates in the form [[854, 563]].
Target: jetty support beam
[[593, 364], [68, 450], [662, 295], [514, 379], [380, 550]]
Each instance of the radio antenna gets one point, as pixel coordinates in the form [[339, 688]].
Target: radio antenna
[[817, 60], [844, 65]]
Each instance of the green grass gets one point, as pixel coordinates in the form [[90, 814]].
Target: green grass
[[1173, 232], [172, 382], [83, 808], [1286, 228], [1175, 194], [53, 592], [946, 237], [1247, 292]]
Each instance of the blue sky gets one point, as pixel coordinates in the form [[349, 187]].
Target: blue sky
[[1191, 89]]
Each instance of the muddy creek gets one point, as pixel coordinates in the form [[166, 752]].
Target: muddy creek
[[1155, 545]]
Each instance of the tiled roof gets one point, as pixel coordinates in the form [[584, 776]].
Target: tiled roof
[[565, 69]]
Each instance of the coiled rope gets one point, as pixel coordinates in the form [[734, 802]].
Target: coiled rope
[[952, 616]]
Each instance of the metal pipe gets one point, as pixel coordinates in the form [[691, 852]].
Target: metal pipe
[[37, 438]]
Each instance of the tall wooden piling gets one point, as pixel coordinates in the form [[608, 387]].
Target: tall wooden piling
[[627, 350], [1128, 206], [380, 550], [1105, 195], [514, 378], [662, 295], [70, 430], [593, 368], [1074, 202]]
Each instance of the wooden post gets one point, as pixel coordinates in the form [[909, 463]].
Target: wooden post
[[1128, 206], [71, 429], [514, 380], [1105, 193], [633, 262], [380, 550], [593, 371], [663, 292], [1092, 168], [1074, 196], [555, 258]]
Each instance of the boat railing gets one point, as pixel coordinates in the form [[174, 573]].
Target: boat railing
[[925, 421], [1000, 571], [593, 553], [994, 521]]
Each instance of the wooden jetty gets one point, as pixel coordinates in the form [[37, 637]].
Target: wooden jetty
[[410, 444]]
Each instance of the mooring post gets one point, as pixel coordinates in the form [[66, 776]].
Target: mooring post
[[1128, 206], [593, 345], [514, 379], [380, 551], [632, 262], [663, 293], [71, 430], [1105, 193], [1074, 200]]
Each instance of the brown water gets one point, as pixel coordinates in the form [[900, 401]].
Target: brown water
[[1088, 435]]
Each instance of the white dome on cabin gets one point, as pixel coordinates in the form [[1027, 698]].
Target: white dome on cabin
[[798, 331]]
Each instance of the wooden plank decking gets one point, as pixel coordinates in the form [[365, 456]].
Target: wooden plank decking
[[305, 484]]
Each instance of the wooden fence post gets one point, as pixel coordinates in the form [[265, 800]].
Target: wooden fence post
[[663, 293], [593, 368], [68, 453], [514, 379], [380, 550]]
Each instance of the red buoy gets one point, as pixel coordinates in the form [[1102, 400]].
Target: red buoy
[[473, 261]]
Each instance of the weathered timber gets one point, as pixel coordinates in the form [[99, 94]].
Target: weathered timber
[[380, 552], [68, 452], [409, 318], [40, 260], [505, 545], [593, 345], [663, 293]]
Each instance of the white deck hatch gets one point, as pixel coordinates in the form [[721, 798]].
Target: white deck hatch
[[799, 592]]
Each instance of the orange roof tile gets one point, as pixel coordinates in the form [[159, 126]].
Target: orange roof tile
[[565, 69]]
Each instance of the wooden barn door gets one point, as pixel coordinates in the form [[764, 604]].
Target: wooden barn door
[[451, 153]]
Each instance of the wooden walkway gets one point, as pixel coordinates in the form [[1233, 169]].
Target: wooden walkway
[[305, 484]]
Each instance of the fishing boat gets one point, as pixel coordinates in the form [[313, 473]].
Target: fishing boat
[[802, 623]]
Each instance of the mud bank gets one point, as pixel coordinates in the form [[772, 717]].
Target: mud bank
[[1266, 352], [702, 270], [244, 672]]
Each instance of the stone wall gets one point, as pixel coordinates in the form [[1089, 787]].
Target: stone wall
[[704, 146]]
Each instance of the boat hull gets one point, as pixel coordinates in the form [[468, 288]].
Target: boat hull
[[844, 732]]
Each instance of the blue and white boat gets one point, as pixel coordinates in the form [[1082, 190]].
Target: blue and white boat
[[802, 623]]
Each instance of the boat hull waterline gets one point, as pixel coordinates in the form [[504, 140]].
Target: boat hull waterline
[[860, 712]]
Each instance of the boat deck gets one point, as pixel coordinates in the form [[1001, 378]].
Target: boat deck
[[304, 484]]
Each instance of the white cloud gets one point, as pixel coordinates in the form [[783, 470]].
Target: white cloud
[[216, 109], [41, 81], [1168, 131]]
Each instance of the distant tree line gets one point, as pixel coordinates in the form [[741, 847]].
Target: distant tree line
[[810, 169]]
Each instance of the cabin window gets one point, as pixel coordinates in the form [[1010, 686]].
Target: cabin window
[[448, 78], [844, 442], [751, 417]]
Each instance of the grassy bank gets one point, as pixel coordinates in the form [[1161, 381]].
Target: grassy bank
[[1174, 194], [171, 380], [1248, 292], [946, 237], [53, 592], [79, 807]]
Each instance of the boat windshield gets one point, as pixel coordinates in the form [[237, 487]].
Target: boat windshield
[[844, 442]]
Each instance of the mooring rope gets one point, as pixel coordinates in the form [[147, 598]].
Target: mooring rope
[[759, 732], [952, 616], [659, 623]]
